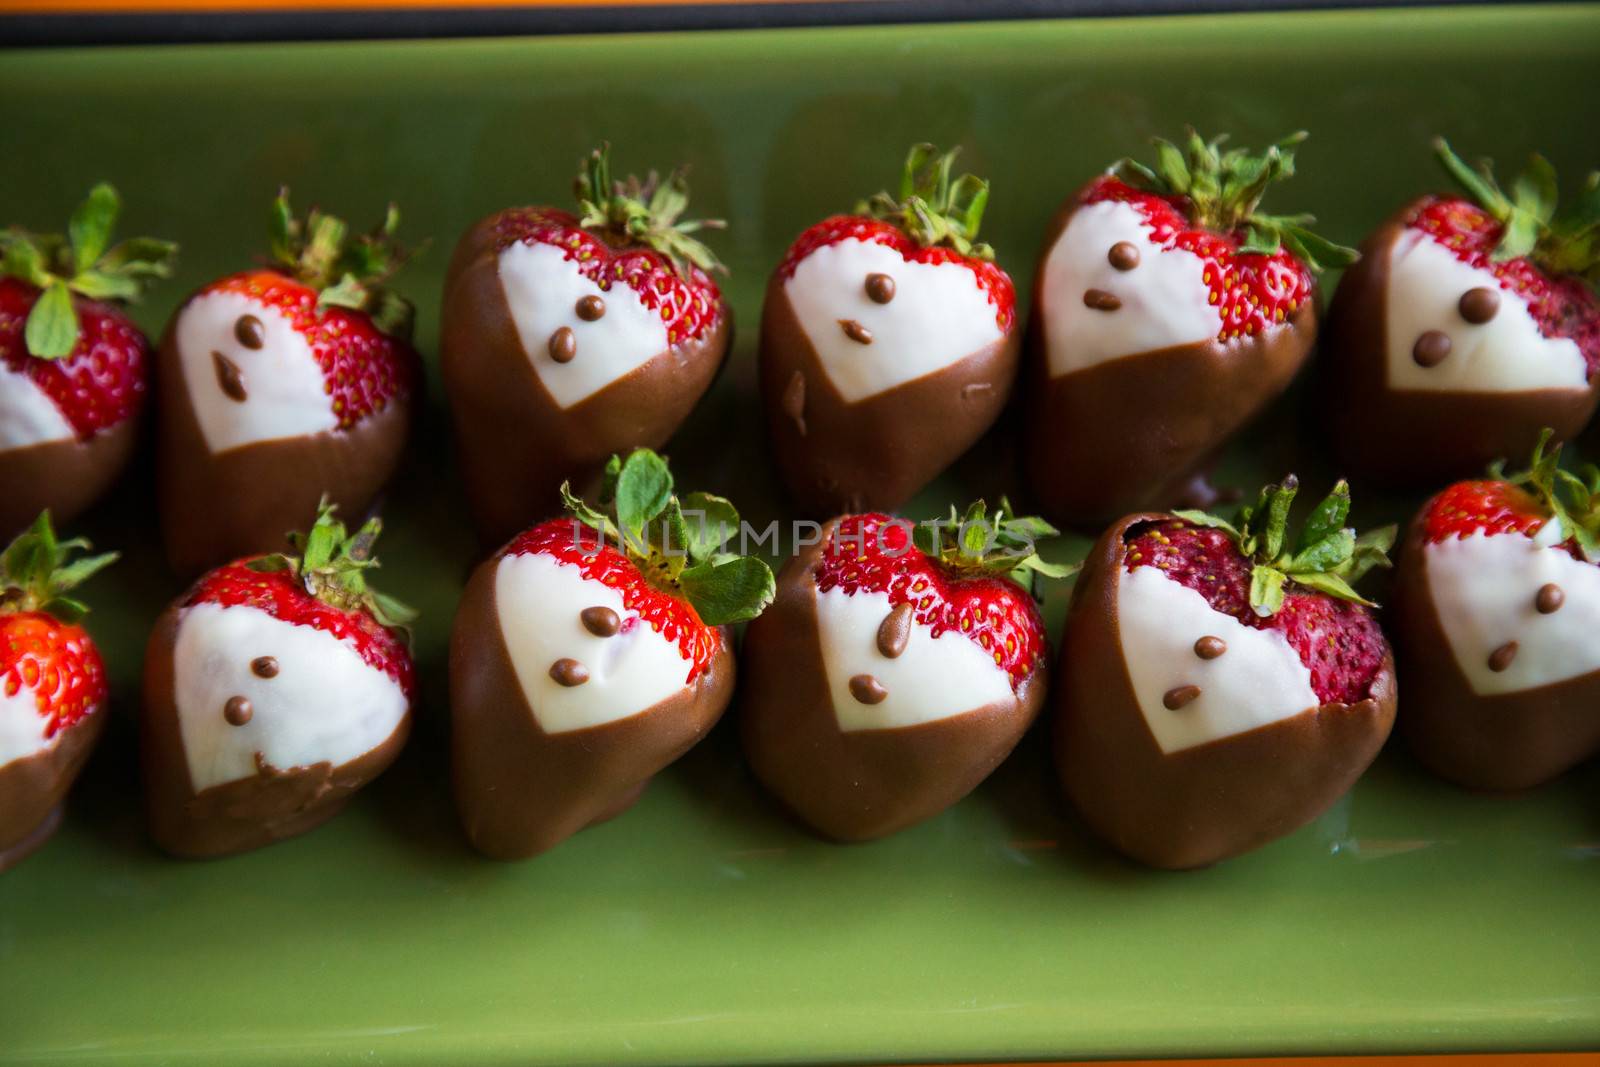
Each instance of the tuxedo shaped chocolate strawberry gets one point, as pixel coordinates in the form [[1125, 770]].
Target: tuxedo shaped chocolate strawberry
[[282, 385], [567, 338], [897, 668], [74, 369], [52, 684], [1221, 686], [1470, 324], [1168, 311], [1497, 607], [273, 690], [887, 343], [589, 653]]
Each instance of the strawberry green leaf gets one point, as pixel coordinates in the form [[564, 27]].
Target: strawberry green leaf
[[21, 258], [1326, 518], [36, 570], [643, 488], [581, 511], [89, 229], [931, 208], [99, 286], [1325, 554], [644, 212], [333, 566], [1333, 585], [1201, 518], [730, 590], [710, 520], [1266, 589], [348, 270], [52, 327]]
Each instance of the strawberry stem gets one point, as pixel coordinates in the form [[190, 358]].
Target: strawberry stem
[[644, 212], [37, 571], [347, 270], [332, 566], [1572, 497], [931, 208], [1002, 543]]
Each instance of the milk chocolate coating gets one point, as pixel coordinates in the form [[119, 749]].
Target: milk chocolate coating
[[33, 787], [244, 814], [520, 791], [64, 476], [516, 444], [863, 784], [1402, 437], [1132, 432], [1503, 741], [875, 454], [217, 507], [1203, 804]]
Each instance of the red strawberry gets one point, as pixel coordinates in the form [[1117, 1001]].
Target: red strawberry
[[1169, 310], [273, 690], [282, 385], [568, 338], [74, 368], [52, 684], [1496, 604], [589, 653], [1222, 686], [892, 676], [887, 342], [1471, 323]]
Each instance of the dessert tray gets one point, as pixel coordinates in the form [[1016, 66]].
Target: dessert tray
[[705, 926]]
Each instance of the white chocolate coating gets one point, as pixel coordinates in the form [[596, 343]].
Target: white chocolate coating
[[325, 705], [1483, 589], [27, 414], [1504, 355], [1165, 300], [285, 394], [22, 727], [542, 289], [938, 316], [934, 678], [1259, 679], [539, 600]]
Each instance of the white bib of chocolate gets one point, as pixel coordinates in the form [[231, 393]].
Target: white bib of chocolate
[[21, 726], [1165, 300], [1507, 354], [934, 678], [542, 289], [937, 317], [325, 704], [284, 392], [1258, 680], [1483, 589], [539, 601], [27, 414]]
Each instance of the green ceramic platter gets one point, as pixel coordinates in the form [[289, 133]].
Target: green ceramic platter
[[702, 926]]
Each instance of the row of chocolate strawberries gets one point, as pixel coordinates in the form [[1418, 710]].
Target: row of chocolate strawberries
[[1218, 684], [1169, 310]]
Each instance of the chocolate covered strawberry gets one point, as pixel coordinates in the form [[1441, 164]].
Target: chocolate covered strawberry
[[1496, 609], [282, 385], [888, 342], [273, 690], [1471, 323], [567, 338], [1221, 686], [589, 653], [74, 369], [1168, 311], [52, 684], [897, 668]]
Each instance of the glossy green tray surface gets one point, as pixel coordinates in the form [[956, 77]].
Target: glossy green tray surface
[[703, 926]]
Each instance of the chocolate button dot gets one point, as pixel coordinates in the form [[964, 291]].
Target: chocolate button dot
[[880, 288], [229, 378], [563, 345], [1549, 599], [1209, 647], [867, 689], [569, 672], [237, 711], [895, 631], [1431, 348], [1181, 696], [600, 621], [855, 331], [590, 308], [264, 667], [249, 331], [1100, 300], [1501, 657], [1479, 305], [1123, 256]]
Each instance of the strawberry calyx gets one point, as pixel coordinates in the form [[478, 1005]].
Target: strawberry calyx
[[84, 262], [1004, 543], [647, 212], [932, 209], [332, 567], [1222, 193], [1326, 556], [346, 270], [1573, 498], [683, 558], [1566, 243], [37, 572]]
